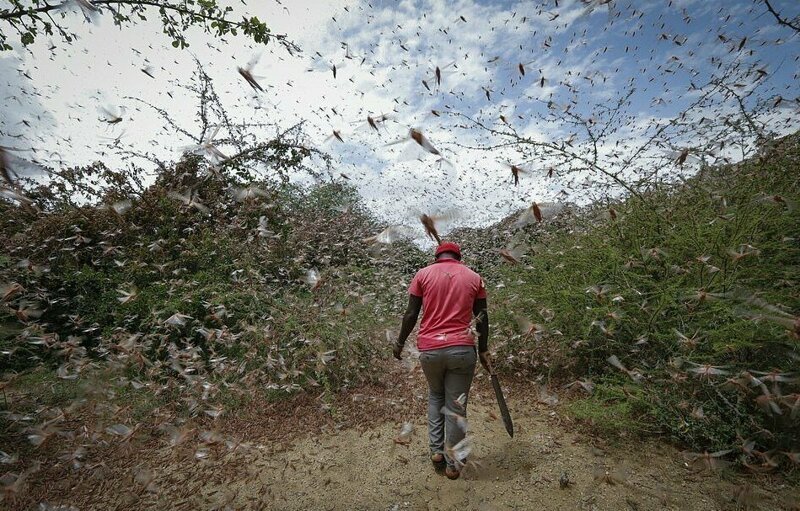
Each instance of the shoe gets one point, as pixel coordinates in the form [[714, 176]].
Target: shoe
[[438, 461], [452, 473]]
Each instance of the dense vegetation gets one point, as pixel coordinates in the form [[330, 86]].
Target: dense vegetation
[[268, 286], [673, 312], [693, 290]]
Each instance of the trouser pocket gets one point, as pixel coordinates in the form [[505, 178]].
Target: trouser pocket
[[463, 359]]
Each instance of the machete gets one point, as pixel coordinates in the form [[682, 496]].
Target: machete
[[501, 401]]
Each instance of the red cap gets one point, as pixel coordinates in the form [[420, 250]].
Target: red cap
[[448, 246]]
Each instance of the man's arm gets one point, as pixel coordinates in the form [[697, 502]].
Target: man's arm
[[409, 321], [481, 313]]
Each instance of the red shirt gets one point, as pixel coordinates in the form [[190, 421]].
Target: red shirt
[[448, 290]]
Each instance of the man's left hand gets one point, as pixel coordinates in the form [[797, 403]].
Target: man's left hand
[[397, 350]]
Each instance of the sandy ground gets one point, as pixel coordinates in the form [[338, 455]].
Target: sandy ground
[[352, 470], [340, 466]]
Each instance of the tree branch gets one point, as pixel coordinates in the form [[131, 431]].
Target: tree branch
[[559, 150], [793, 24], [203, 15]]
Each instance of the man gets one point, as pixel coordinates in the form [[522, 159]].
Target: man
[[451, 295]]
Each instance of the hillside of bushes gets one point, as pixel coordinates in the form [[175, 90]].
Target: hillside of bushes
[[255, 284], [673, 314]]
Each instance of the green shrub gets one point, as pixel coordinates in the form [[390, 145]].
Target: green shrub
[[662, 307]]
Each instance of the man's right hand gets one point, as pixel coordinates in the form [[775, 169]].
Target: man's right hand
[[486, 361]]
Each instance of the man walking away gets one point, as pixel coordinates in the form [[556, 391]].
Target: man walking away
[[451, 295]]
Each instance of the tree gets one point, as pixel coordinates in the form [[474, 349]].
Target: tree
[[33, 18], [241, 149]]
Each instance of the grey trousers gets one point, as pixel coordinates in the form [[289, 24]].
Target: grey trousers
[[449, 373]]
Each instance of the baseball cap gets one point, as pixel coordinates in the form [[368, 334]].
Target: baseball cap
[[448, 246]]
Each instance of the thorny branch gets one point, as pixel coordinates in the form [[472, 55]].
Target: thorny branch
[[793, 23], [519, 140], [249, 147]]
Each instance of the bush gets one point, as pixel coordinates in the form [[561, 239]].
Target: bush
[[675, 282], [170, 290]]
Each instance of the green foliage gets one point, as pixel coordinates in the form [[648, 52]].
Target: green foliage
[[49, 390], [705, 273], [107, 282], [32, 18], [611, 409]]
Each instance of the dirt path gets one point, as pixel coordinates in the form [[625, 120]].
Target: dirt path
[[340, 467], [352, 470]]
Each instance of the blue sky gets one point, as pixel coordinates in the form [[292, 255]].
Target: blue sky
[[580, 52]]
